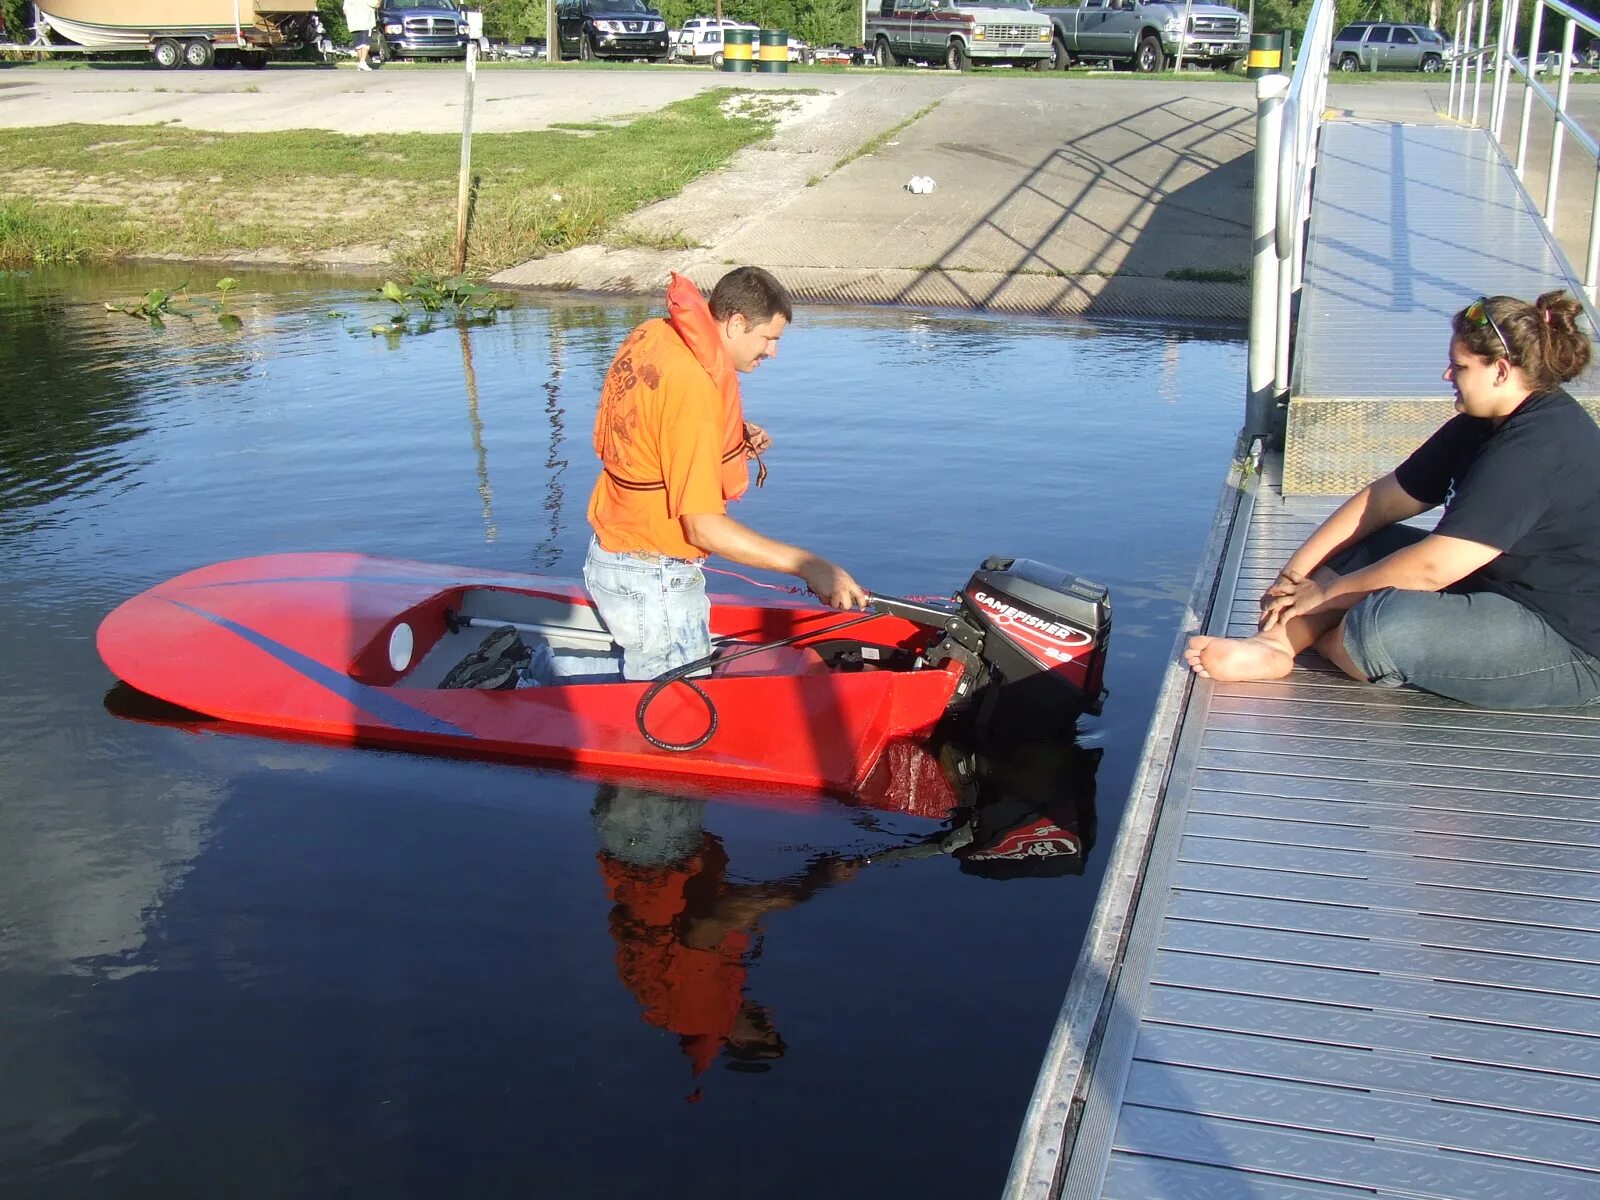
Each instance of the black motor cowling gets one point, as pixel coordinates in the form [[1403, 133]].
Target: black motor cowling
[[1044, 636]]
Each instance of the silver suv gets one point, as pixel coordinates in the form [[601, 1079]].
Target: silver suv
[[1371, 45]]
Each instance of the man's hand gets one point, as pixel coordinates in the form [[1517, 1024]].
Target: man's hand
[[833, 585], [756, 440]]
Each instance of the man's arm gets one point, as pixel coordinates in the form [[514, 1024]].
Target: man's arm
[[720, 534]]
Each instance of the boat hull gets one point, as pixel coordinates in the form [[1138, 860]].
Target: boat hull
[[306, 644], [109, 25]]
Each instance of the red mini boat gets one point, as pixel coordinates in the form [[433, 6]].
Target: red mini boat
[[355, 648]]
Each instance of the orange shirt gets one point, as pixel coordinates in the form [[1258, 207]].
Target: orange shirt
[[669, 433]]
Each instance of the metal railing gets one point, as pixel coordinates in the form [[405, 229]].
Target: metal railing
[[1288, 127], [1503, 61]]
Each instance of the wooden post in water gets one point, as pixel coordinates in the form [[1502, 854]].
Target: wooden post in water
[[464, 184]]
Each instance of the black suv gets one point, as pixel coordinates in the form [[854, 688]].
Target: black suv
[[422, 29], [611, 29]]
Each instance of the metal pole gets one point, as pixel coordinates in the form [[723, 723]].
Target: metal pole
[[1183, 36], [1264, 273], [1506, 49], [1455, 69], [552, 33], [1527, 87], [1477, 80], [1591, 270], [464, 184], [1498, 86], [1559, 136]]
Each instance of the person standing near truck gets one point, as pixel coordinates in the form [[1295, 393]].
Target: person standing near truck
[[361, 17], [674, 449]]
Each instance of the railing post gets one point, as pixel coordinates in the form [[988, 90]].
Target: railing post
[[1591, 270], [1497, 92], [1477, 79], [1452, 106], [1265, 268], [1558, 137], [1507, 49], [1527, 87]]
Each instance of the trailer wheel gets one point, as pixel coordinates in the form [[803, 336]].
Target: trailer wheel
[[253, 60], [198, 53], [167, 53]]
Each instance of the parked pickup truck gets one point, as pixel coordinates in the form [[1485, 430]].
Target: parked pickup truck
[[958, 33], [1147, 35]]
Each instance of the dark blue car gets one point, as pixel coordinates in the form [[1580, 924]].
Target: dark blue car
[[422, 29], [592, 29]]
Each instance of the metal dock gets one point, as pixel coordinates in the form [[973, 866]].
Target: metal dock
[[1349, 942]]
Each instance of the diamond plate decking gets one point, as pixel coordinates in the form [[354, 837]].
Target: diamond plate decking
[[1349, 943], [1409, 224]]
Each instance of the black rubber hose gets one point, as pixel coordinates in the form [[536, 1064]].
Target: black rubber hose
[[681, 675]]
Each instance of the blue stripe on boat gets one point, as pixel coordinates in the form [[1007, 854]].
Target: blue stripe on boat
[[378, 702]]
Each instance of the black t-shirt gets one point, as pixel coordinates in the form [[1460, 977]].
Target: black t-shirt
[[1530, 489]]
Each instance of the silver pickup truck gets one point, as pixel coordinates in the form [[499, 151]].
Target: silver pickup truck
[[1147, 35], [958, 33]]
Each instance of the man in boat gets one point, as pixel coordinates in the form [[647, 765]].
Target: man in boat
[[674, 449]]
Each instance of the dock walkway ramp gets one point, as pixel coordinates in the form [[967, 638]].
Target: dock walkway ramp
[[1349, 943]]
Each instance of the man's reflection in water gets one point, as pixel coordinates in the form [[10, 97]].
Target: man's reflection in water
[[685, 933]]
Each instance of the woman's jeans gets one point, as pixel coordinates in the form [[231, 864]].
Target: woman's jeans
[[655, 608], [1480, 648]]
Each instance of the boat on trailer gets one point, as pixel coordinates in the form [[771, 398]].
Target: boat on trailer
[[356, 649], [184, 32]]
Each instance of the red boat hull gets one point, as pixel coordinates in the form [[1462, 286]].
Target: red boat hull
[[299, 643]]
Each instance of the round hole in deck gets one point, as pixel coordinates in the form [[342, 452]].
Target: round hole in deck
[[401, 644]]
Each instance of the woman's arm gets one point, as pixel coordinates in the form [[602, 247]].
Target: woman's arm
[[1426, 566], [1374, 507]]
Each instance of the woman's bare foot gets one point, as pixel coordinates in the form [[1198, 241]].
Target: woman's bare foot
[[1232, 660]]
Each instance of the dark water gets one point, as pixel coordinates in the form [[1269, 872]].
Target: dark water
[[240, 967]]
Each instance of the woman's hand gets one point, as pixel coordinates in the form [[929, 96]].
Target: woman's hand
[[1287, 578], [1290, 598]]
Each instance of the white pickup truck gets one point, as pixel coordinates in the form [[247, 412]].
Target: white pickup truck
[[958, 34]]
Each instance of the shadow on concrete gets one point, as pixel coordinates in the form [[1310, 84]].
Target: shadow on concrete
[[1157, 201]]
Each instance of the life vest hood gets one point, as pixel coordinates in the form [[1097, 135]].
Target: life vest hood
[[689, 315]]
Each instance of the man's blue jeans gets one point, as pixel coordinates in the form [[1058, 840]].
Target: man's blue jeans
[[1478, 647], [655, 608]]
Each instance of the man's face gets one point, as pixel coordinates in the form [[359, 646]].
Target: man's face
[[748, 343]]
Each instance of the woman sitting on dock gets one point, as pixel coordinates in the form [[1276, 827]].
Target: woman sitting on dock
[[1499, 606]]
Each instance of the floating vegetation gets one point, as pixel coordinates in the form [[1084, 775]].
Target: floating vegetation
[[158, 304], [455, 299]]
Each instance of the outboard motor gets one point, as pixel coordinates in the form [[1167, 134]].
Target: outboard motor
[[1032, 638], [1044, 633]]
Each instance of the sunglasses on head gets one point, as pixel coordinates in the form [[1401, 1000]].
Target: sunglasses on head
[[1478, 313]]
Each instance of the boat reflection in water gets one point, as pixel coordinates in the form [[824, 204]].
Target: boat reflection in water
[[687, 932]]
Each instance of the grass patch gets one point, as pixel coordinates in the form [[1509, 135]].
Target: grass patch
[[62, 233], [157, 189], [872, 145]]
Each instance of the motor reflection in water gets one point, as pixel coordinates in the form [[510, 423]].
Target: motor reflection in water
[[687, 931]]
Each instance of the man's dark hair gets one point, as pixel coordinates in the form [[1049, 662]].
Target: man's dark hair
[[753, 294]]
